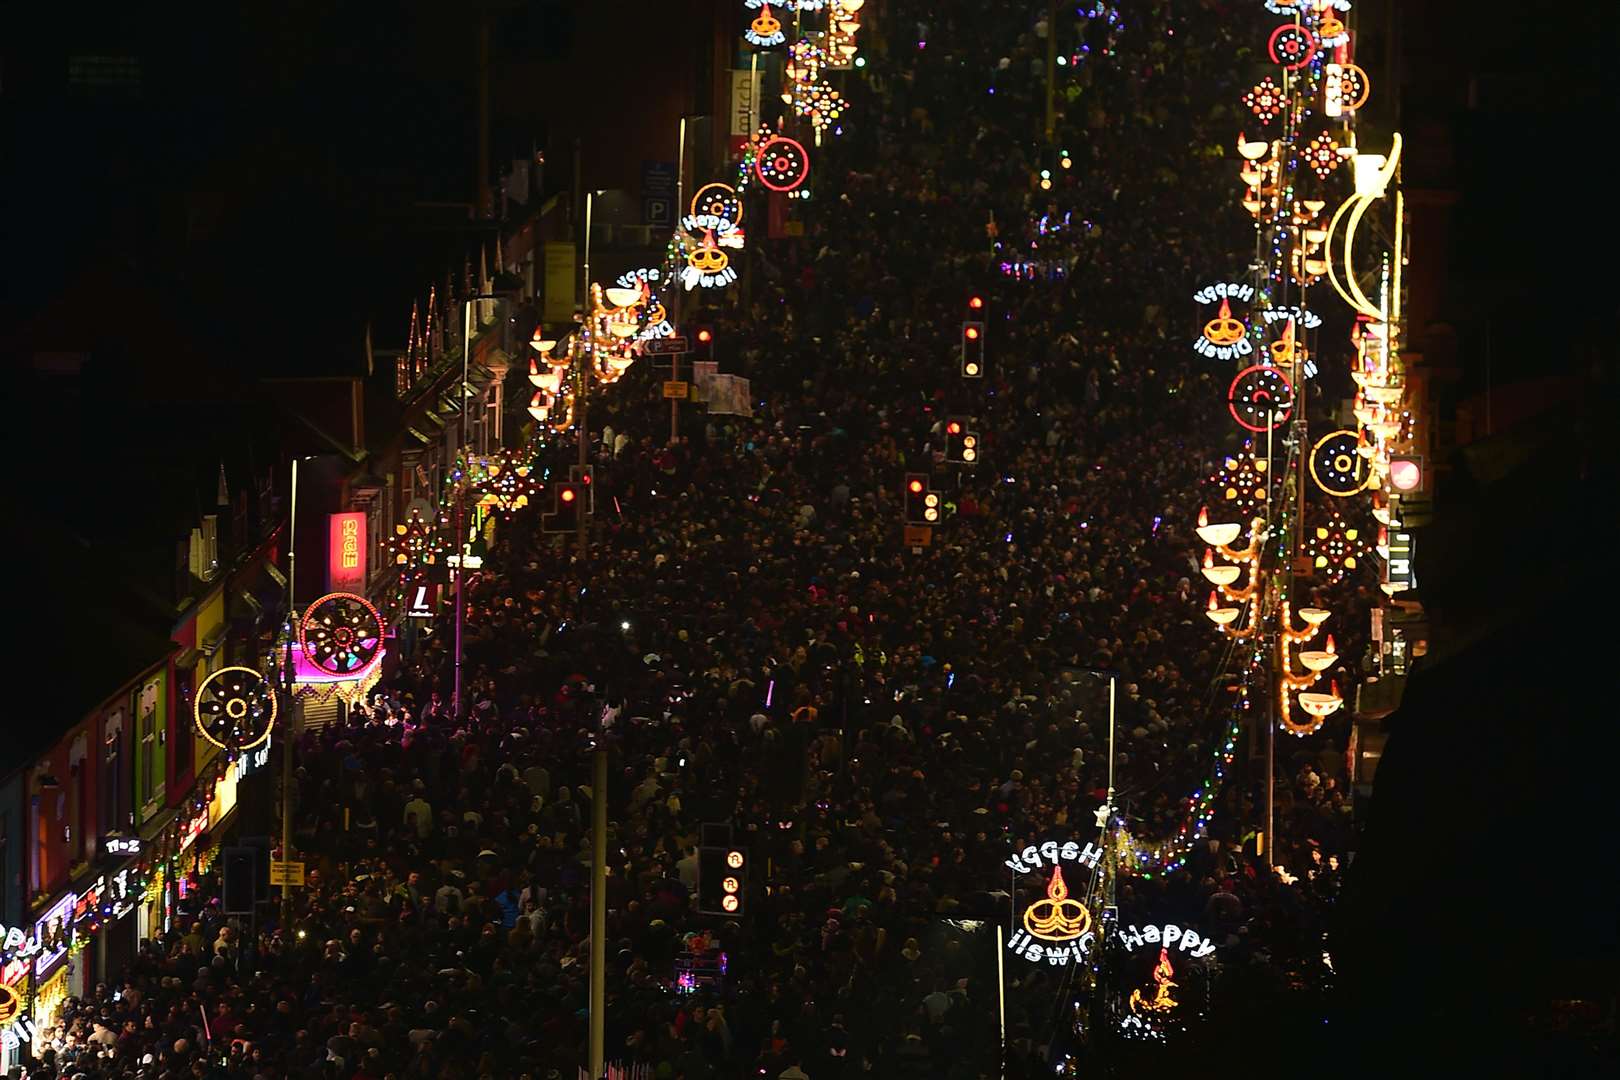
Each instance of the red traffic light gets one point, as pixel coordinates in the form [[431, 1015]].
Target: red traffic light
[[976, 303], [566, 494], [705, 335], [953, 427], [916, 487], [971, 333]]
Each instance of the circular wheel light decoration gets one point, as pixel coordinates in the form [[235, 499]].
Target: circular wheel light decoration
[[1260, 398], [1266, 100], [720, 200], [782, 163], [1354, 88], [1291, 46], [341, 633], [234, 708], [1335, 465]]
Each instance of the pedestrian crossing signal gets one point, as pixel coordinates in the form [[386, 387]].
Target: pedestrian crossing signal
[[973, 350], [722, 880]]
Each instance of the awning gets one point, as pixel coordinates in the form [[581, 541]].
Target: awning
[[423, 439]]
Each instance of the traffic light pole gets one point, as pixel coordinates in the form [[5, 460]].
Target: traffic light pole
[[598, 1007]]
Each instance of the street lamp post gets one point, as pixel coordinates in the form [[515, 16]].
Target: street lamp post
[[461, 490]]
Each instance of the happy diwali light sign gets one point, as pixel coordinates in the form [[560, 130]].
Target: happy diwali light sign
[[1057, 927]]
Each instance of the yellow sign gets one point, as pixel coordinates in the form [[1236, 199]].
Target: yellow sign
[[286, 872], [1057, 918], [919, 536], [10, 1005], [676, 390]]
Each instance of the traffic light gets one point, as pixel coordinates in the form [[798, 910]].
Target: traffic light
[[570, 504], [961, 445], [973, 349], [922, 502], [975, 303], [585, 477], [238, 868], [703, 342], [1406, 473], [722, 880]]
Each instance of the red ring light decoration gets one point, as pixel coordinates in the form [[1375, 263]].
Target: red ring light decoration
[[1257, 392], [341, 633], [782, 163], [1291, 46]]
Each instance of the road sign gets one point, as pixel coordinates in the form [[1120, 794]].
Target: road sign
[[658, 187], [286, 872], [657, 210], [666, 346], [919, 536], [676, 390]]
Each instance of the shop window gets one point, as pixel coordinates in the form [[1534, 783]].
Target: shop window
[[114, 792]]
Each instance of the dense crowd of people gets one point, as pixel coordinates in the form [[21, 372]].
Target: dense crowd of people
[[751, 641]]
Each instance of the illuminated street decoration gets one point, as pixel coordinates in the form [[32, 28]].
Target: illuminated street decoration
[[807, 92], [1335, 548], [1057, 917], [1310, 320], [1322, 154], [506, 483], [1161, 1001], [1260, 398], [416, 543], [843, 23], [1291, 46], [1287, 349], [1241, 481], [1344, 89], [1266, 100], [1331, 30], [1032, 858], [1222, 290], [782, 163], [341, 633], [706, 264], [720, 201], [765, 30], [234, 708], [1055, 928], [1236, 563], [1336, 464], [655, 319], [1187, 940], [1224, 337], [1313, 663]]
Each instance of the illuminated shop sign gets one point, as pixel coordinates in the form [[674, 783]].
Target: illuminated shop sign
[[346, 558]]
